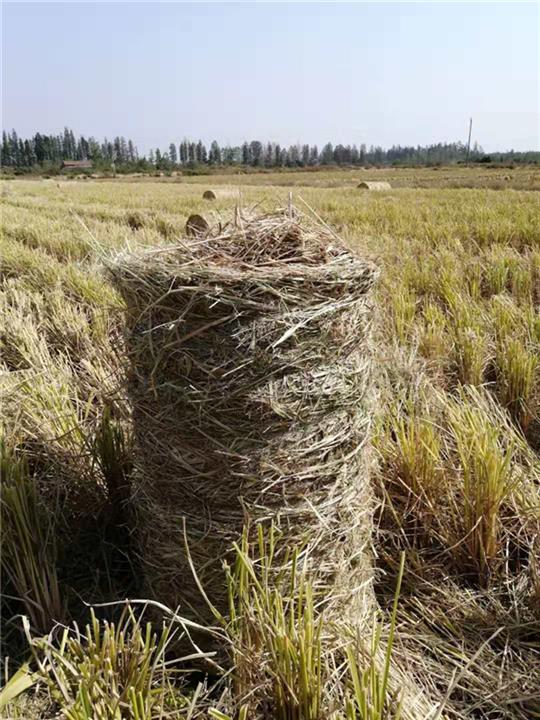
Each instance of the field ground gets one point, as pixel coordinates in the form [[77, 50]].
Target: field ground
[[457, 434]]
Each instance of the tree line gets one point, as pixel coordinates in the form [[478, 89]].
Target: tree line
[[42, 152]]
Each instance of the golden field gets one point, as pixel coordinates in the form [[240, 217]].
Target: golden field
[[456, 451]]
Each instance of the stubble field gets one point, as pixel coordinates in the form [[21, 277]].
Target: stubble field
[[456, 445]]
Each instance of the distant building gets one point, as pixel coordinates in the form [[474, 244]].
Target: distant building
[[76, 165]]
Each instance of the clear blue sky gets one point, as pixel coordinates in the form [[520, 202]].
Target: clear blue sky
[[378, 73]]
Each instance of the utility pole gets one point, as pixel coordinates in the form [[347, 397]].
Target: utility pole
[[469, 142]]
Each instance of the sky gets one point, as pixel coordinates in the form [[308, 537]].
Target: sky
[[380, 73]]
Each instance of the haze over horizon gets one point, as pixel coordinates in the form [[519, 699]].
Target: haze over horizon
[[374, 73]]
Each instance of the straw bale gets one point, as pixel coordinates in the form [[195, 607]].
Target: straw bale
[[252, 392], [196, 225], [374, 185], [209, 195]]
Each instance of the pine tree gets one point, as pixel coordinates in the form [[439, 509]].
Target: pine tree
[[173, 156]]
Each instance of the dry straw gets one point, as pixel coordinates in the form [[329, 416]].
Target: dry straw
[[251, 383]]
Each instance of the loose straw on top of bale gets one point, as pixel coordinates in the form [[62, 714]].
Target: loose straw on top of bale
[[252, 399]]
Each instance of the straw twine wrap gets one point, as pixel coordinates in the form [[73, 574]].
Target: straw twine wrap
[[252, 398]]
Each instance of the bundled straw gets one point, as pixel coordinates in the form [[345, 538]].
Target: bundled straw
[[252, 392]]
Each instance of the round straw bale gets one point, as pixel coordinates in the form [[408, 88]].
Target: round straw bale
[[374, 185], [209, 195], [252, 395], [196, 225]]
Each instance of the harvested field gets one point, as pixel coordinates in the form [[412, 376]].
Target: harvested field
[[89, 464]]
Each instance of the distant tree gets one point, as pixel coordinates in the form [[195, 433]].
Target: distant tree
[[256, 153], [6, 150], [184, 152], [108, 150], [83, 148], [338, 154], [28, 154], [294, 156], [214, 155], [68, 151], [14, 149], [362, 158], [44, 150], [117, 150], [327, 154], [94, 150], [268, 155], [132, 151], [204, 153], [230, 155]]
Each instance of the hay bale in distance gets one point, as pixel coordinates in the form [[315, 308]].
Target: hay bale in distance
[[251, 386], [209, 195], [374, 185], [196, 225]]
